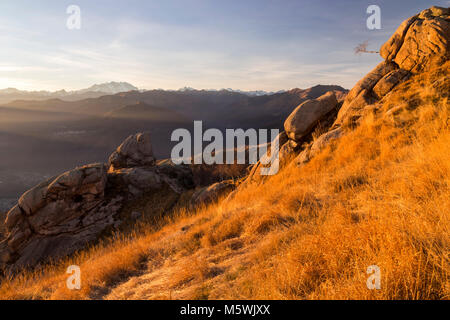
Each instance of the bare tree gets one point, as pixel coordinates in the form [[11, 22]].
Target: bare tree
[[362, 48]]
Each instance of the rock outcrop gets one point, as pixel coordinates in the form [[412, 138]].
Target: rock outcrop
[[304, 119], [65, 213], [308, 114], [135, 151], [58, 216], [298, 128], [362, 93], [420, 43]]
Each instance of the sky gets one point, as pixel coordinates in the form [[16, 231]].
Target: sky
[[205, 44]]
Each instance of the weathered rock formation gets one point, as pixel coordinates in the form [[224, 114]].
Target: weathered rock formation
[[135, 151], [298, 128], [308, 114], [420, 43], [63, 214], [281, 142], [58, 216]]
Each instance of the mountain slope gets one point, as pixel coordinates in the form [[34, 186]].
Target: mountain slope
[[377, 195]]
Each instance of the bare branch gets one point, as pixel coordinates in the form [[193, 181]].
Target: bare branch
[[362, 48]]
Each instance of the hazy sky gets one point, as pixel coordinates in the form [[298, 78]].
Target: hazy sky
[[240, 44]]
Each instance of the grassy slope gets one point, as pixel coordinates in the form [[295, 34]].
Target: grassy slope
[[380, 195]]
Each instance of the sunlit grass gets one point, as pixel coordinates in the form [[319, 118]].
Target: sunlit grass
[[380, 195]]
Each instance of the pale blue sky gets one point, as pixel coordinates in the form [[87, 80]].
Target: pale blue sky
[[245, 44]]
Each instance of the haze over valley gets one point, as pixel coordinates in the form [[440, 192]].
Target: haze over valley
[[46, 137]]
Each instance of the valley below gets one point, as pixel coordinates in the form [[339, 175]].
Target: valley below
[[40, 139]]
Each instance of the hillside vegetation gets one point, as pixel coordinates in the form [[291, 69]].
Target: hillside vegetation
[[380, 195]]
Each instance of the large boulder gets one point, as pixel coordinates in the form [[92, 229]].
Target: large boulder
[[306, 116], [135, 181], [135, 151], [389, 81], [361, 94], [134, 171], [65, 213], [58, 217], [420, 41]]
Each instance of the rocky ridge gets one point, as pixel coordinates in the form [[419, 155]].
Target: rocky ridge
[[419, 44]]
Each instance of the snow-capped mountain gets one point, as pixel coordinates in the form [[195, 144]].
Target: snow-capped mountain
[[95, 91], [110, 87]]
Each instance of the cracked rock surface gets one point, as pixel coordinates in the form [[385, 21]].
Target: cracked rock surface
[[65, 213], [58, 216], [420, 43]]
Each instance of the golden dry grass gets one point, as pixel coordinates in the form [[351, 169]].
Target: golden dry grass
[[378, 196]]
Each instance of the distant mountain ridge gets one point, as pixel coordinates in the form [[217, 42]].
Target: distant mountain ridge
[[51, 135], [9, 95], [95, 91], [253, 93], [219, 109]]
